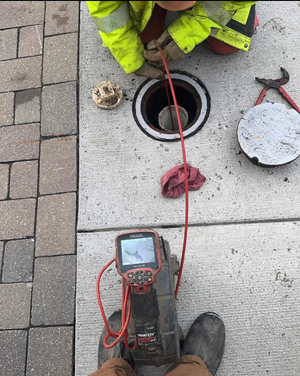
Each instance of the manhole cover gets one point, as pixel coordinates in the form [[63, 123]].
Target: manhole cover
[[151, 99], [269, 134]]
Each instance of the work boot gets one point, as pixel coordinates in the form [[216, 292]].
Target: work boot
[[206, 339], [118, 351]]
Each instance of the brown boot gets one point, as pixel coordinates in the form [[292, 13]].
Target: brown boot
[[206, 339]]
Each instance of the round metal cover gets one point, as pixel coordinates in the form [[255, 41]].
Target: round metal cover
[[151, 98], [269, 134]]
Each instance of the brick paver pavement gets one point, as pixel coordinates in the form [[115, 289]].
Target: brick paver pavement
[[38, 186]]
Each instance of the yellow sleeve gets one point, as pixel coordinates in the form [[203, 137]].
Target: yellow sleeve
[[118, 32], [194, 26]]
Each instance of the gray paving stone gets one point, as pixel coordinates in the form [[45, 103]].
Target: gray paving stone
[[6, 108], [31, 41], [4, 176], [54, 291], [15, 305], [1, 257], [23, 179], [21, 13], [58, 166], [13, 344], [61, 17], [19, 142], [50, 351], [8, 44], [55, 228], [18, 261], [17, 219], [21, 74], [60, 58], [59, 109], [28, 106]]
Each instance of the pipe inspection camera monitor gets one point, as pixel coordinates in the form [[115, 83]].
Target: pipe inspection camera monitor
[[138, 257]]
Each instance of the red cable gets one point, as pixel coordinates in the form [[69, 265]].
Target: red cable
[[125, 318], [98, 294], [124, 312], [185, 170], [121, 333], [168, 97]]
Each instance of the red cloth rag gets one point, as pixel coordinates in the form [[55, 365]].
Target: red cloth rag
[[173, 181]]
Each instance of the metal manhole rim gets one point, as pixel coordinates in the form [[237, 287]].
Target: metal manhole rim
[[164, 136]]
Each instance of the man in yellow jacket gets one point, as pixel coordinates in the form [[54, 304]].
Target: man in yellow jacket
[[127, 27]]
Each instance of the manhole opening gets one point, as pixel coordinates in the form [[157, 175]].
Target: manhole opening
[[151, 100], [155, 100]]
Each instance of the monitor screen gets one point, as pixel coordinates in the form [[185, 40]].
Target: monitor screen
[[138, 251]]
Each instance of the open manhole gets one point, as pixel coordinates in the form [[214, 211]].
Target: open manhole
[[152, 112]]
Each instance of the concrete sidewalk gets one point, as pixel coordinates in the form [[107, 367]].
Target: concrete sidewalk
[[242, 258], [38, 186]]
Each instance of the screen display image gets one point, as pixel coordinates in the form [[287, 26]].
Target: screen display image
[[138, 251]]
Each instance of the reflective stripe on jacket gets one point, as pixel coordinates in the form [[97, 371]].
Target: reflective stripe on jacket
[[120, 23]]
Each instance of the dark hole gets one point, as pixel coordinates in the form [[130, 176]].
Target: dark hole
[[255, 160], [155, 99]]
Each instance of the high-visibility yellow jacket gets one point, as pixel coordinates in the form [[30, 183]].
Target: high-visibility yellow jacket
[[120, 23]]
